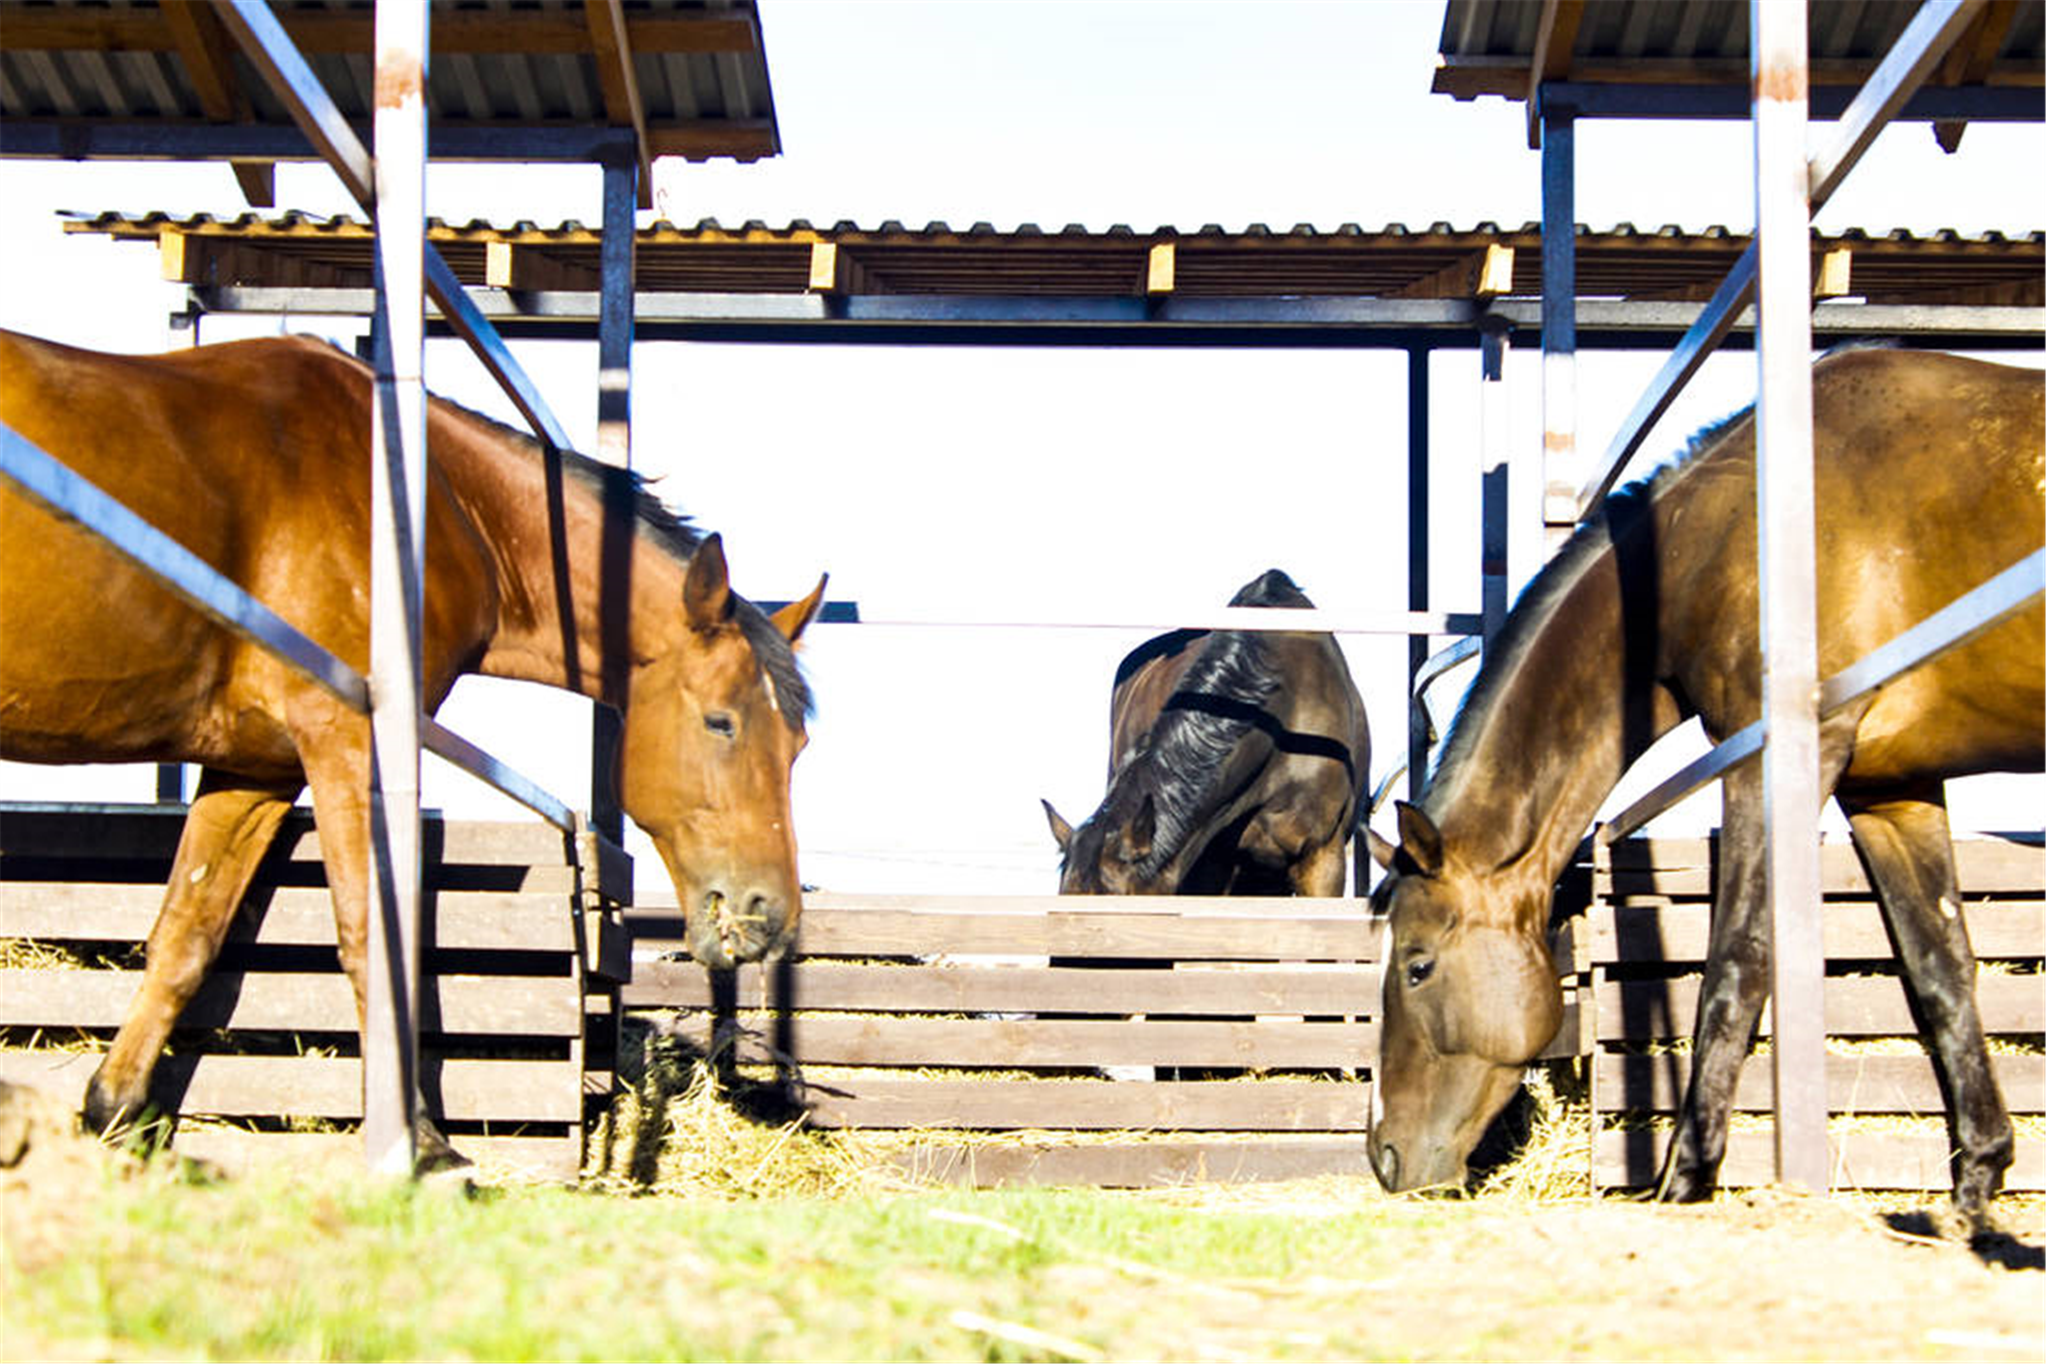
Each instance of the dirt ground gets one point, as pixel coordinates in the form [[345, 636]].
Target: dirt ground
[[1762, 1275]]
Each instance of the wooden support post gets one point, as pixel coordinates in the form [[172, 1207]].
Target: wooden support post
[[614, 446], [206, 51], [1559, 324], [1789, 624], [397, 540]]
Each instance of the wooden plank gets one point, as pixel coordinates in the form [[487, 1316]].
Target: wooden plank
[[1860, 1160], [1065, 933], [875, 1040], [527, 266], [281, 915], [2008, 864], [1855, 1083], [1091, 1105], [1483, 274], [1010, 989], [1856, 1006], [463, 1089], [611, 49], [292, 1001], [113, 833], [1680, 933], [1138, 1164], [316, 33], [1161, 268], [237, 1152]]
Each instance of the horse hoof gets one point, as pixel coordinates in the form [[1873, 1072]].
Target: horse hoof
[[432, 1155]]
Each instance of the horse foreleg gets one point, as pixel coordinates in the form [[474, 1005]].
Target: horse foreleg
[[228, 829], [335, 748], [1908, 852]]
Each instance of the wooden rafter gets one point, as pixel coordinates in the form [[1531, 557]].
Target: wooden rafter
[[1485, 273], [321, 33], [1970, 61], [611, 44], [202, 44], [1555, 43]]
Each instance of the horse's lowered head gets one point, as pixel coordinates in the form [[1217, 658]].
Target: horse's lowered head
[[1113, 851], [712, 726], [1470, 999]]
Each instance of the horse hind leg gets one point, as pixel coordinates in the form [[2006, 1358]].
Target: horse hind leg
[[1907, 850], [230, 826]]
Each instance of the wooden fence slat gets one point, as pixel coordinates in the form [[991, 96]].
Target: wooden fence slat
[[2014, 863], [881, 1040], [103, 833], [1092, 933], [822, 985], [292, 1001], [321, 1086], [1679, 932], [1856, 1006], [237, 1151], [1861, 1160], [1090, 1105], [1145, 1165], [1855, 1083], [280, 916]]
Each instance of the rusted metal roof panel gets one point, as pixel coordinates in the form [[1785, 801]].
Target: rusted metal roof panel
[[1488, 47], [1393, 261], [498, 65]]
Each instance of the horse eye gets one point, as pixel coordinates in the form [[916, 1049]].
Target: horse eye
[[720, 724], [1419, 971]]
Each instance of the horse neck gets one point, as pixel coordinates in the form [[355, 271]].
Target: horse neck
[[1569, 700], [585, 590]]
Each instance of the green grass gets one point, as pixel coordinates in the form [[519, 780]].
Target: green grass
[[264, 1268]]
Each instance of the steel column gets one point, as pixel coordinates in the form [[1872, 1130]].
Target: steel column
[[1559, 320], [183, 334], [1789, 612], [397, 547], [614, 437], [1418, 508], [1495, 474]]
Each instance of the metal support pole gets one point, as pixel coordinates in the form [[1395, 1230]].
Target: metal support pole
[[1789, 612], [183, 334], [614, 440], [397, 546], [1559, 322], [1495, 472], [1417, 559]]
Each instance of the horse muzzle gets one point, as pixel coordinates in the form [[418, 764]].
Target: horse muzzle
[[727, 927]]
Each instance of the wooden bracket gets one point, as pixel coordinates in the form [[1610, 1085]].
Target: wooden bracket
[[1481, 275]]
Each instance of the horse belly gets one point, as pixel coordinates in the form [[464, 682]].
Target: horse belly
[[1980, 708]]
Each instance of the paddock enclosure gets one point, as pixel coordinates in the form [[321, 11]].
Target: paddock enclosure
[[1255, 1020]]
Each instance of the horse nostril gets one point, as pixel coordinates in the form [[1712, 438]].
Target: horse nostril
[[1385, 1161]]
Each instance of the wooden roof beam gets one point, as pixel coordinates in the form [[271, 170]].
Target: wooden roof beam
[[1485, 274], [1970, 62], [611, 43], [1555, 42], [454, 31], [202, 45]]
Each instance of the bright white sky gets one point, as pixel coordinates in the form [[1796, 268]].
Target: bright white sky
[[1040, 485]]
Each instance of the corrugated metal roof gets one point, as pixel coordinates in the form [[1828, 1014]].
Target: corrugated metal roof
[[1394, 261], [498, 65], [1488, 46]]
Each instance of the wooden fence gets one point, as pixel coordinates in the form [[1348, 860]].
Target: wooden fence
[[1641, 955], [1252, 1022], [523, 953]]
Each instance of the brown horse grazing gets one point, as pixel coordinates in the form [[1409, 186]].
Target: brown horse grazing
[[553, 569], [1929, 483], [1237, 762]]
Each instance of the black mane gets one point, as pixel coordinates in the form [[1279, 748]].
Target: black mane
[[1218, 702]]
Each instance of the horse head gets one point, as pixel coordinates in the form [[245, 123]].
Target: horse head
[[712, 727], [1111, 853], [1470, 998]]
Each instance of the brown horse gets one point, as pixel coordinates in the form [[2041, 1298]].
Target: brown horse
[[1929, 483], [542, 567], [1237, 761]]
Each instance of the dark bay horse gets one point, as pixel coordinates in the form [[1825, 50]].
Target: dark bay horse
[[1930, 482], [1237, 761], [541, 567]]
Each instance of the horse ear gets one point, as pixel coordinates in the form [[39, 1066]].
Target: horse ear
[[1420, 840], [1143, 828], [1382, 850], [1060, 830], [792, 619], [707, 591]]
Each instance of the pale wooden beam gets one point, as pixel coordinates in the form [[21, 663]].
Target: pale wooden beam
[[612, 47], [1970, 62], [1555, 39], [1162, 268], [1481, 274], [1832, 278], [823, 267], [516, 265]]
